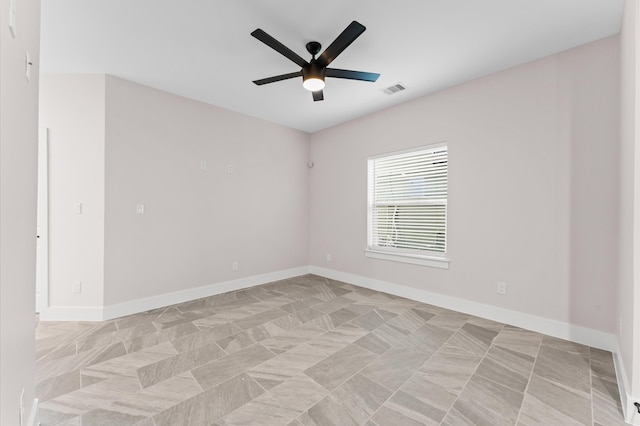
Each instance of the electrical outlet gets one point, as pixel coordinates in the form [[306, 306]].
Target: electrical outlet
[[230, 168], [328, 257], [76, 287], [501, 288], [234, 266]]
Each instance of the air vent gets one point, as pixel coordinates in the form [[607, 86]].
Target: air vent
[[398, 87]]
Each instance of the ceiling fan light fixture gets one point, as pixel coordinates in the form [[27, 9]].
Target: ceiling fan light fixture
[[314, 71], [313, 84]]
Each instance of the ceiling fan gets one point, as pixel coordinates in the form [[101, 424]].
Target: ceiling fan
[[314, 72]]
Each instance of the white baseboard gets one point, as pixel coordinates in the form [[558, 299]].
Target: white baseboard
[[631, 414], [71, 313], [562, 330], [68, 313], [594, 338], [153, 302]]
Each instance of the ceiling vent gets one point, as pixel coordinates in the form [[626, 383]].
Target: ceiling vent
[[398, 87]]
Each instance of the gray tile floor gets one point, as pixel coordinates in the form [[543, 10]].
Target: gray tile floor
[[312, 351]]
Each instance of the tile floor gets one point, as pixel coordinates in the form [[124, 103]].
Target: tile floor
[[312, 351]]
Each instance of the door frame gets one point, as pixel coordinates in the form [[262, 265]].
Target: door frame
[[42, 229]]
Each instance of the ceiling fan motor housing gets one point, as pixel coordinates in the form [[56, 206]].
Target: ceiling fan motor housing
[[313, 71]]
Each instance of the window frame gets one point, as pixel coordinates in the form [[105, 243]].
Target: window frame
[[417, 257]]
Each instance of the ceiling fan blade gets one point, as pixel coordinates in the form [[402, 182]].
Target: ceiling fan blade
[[279, 47], [277, 78], [343, 41], [351, 75], [318, 96]]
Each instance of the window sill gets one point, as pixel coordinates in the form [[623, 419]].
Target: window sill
[[432, 261]]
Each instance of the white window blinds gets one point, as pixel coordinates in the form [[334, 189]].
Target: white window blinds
[[408, 201]]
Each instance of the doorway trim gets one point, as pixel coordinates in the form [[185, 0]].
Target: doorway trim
[[42, 230]]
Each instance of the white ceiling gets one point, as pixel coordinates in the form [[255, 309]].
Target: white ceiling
[[202, 49]]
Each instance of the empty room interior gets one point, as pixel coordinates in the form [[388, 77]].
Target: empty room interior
[[292, 213]]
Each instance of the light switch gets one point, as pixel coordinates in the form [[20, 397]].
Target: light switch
[[140, 209], [77, 208], [203, 165], [230, 168]]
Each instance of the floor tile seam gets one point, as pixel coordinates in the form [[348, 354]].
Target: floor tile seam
[[466, 383], [137, 376], [207, 390], [207, 343], [122, 340], [270, 391], [143, 389], [598, 394], [500, 384], [218, 359], [89, 362], [489, 379], [360, 316], [58, 346], [393, 393], [223, 351], [605, 377], [443, 343], [564, 386], [526, 389], [234, 322], [252, 328], [348, 378], [417, 370], [487, 357], [257, 382], [566, 351], [103, 405], [405, 339], [52, 351], [40, 380], [269, 349]]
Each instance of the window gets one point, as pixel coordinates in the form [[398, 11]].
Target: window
[[408, 206]]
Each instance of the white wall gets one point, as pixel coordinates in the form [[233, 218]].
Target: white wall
[[73, 108], [197, 222], [628, 329], [18, 180], [115, 144], [532, 187]]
